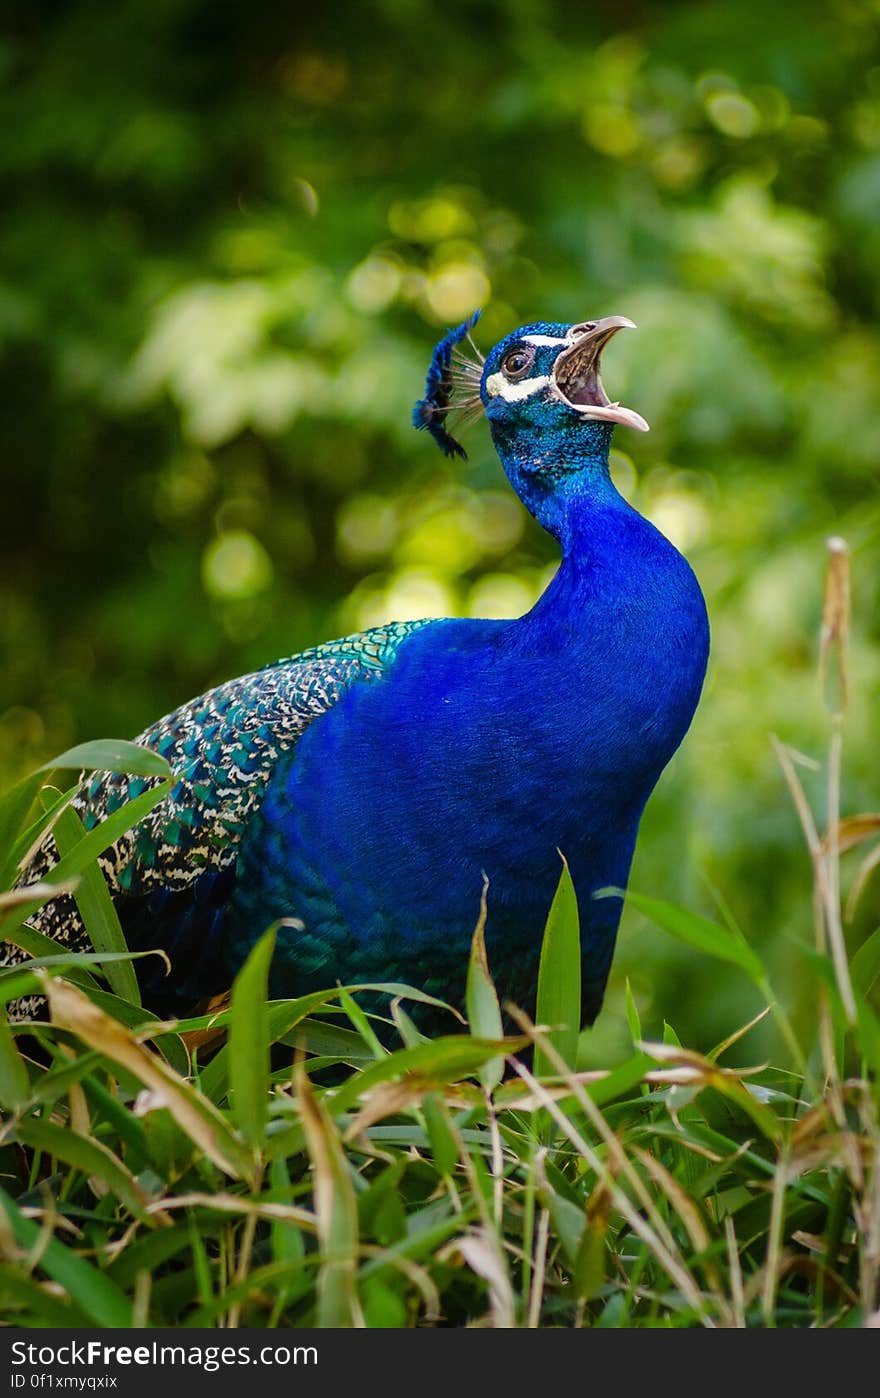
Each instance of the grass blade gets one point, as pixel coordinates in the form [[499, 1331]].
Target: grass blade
[[865, 965], [193, 1113], [90, 1290], [90, 1157], [559, 976], [249, 1042], [14, 806], [72, 864], [698, 932], [15, 1085], [97, 910], [337, 1214], [111, 755], [481, 999]]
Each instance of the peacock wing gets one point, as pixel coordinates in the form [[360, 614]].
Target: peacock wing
[[172, 874]]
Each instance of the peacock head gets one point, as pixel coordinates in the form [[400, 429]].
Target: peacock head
[[539, 388], [550, 418], [543, 381]]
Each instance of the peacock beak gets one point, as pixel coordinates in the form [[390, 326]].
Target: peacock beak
[[575, 375]]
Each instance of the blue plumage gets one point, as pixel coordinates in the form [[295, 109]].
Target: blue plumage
[[363, 789]]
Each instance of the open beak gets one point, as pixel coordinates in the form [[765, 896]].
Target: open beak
[[576, 373]]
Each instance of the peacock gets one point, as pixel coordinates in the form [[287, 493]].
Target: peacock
[[362, 793]]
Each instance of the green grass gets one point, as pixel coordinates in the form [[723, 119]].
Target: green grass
[[173, 1174]]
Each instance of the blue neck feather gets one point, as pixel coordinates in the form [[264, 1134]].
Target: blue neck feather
[[560, 476]]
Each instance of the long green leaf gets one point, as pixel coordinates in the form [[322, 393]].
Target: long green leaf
[[336, 1210], [41, 1308], [16, 982], [14, 806], [97, 910], [88, 1156], [40, 947], [865, 966], [481, 999], [90, 1289], [68, 961], [97, 840], [443, 1144], [249, 1042], [441, 1060], [32, 835], [320, 1036], [698, 932], [14, 1081], [284, 1016], [111, 755], [559, 975]]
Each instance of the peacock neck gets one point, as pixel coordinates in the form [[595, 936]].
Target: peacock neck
[[624, 613], [614, 561], [562, 478]]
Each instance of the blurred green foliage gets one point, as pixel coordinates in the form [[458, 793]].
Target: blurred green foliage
[[237, 232]]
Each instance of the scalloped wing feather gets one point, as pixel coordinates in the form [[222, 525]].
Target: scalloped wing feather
[[223, 747]]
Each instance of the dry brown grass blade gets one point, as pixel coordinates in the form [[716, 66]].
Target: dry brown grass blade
[[335, 1209], [15, 897], [539, 1270], [852, 831], [812, 1124], [740, 1033], [387, 1099], [652, 1230], [865, 870], [737, 1298], [834, 634], [688, 1213], [480, 1251], [704, 1067], [829, 923], [237, 1204], [211, 1034], [195, 1115], [501, 1292]]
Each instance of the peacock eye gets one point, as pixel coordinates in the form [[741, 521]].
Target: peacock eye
[[517, 362]]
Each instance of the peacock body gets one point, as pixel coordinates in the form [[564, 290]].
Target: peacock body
[[364, 790]]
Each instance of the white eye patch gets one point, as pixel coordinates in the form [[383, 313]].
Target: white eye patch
[[545, 339], [497, 386]]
